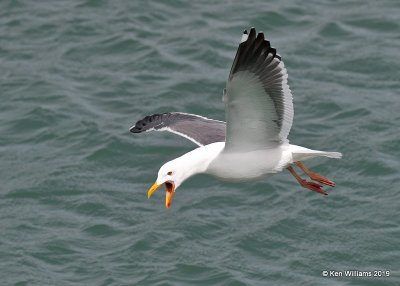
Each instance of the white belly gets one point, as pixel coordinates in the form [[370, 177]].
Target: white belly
[[249, 165]]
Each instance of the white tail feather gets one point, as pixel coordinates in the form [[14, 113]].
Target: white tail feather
[[301, 153], [335, 155]]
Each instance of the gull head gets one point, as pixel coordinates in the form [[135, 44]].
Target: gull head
[[172, 174], [175, 172]]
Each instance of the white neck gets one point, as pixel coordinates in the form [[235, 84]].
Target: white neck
[[198, 160]]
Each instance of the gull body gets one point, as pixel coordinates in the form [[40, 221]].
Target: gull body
[[253, 143], [240, 166]]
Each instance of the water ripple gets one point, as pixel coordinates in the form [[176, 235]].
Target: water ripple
[[73, 206]]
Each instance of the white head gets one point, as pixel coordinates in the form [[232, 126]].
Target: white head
[[172, 174], [175, 172]]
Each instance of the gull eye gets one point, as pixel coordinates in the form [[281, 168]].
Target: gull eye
[[169, 173]]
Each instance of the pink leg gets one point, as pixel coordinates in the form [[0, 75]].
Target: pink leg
[[306, 184], [314, 176]]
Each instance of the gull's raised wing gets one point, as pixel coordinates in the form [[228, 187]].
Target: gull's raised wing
[[258, 100], [198, 129]]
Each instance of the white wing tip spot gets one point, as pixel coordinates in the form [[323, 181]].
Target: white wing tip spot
[[244, 38]]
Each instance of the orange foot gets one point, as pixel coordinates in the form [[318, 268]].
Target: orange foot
[[313, 187], [321, 179], [314, 176]]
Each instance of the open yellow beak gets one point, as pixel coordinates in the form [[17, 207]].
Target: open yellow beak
[[169, 192], [153, 188]]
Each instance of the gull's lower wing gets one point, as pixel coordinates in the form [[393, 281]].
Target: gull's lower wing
[[258, 100], [198, 129]]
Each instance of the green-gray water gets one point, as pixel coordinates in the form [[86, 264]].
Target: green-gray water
[[75, 75]]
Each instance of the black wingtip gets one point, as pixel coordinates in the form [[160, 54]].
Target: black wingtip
[[272, 51], [252, 35], [147, 122], [139, 126], [260, 36], [134, 129], [253, 51]]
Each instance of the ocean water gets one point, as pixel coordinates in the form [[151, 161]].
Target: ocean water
[[75, 75]]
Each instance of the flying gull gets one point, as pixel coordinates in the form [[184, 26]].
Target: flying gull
[[252, 143]]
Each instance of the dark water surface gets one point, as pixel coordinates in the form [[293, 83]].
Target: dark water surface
[[75, 75]]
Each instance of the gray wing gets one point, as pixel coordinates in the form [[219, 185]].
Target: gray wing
[[198, 129], [258, 100]]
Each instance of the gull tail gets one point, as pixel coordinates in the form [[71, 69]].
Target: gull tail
[[334, 155], [300, 153]]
